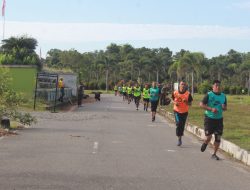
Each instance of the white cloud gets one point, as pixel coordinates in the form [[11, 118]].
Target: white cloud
[[87, 32]]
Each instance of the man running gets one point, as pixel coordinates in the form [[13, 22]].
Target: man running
[[129, 93], [146, 96], [154, 98], [181, 99], [214, 103], [137, 95]]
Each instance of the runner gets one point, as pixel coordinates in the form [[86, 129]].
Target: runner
[[154, 97], [214, 103], [115, 89], [129, 93], [146, 96], [181, 99], [124, 93], [137, 95]]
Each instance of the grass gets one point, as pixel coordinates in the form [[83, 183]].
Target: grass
[[236, 118], [102, 91], [23, 80]]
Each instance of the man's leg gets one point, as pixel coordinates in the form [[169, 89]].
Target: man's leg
[[206, 141]]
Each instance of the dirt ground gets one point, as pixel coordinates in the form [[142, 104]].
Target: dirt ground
[[64, 108], [70, 107]]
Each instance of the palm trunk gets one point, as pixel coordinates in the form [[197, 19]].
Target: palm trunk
[[107, 74], [157, 76], [192, 83]]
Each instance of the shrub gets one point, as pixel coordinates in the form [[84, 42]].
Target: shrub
[[226, 89], [204, 87], [232, 90]]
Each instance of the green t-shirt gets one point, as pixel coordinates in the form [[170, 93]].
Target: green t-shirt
[[154, 94], [214, 100]]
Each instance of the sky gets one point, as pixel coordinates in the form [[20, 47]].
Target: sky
[[210, 26]]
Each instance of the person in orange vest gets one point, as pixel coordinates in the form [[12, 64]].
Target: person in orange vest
[[181, 100], [61, 87]]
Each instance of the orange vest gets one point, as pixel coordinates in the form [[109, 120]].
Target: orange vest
[[182, 100]]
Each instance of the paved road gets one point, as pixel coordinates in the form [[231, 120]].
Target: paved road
[[108, 145]]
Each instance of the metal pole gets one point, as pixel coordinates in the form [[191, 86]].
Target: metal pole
[[35, 93], [56, 93]]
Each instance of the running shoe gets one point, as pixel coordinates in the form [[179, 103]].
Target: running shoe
[[203, 147], [179, 142], [215, 157]]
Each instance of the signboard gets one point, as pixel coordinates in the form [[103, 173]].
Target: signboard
[[176, 86]]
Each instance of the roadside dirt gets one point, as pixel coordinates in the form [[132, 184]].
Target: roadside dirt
[[64, 108]]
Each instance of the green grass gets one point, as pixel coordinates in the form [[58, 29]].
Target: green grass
[[24, 80], [102, 91], [236, 118]]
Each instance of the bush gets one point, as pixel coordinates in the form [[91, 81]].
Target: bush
[[92, 85], [232, 90], [204, 87], [226, 89], [102, 85], [238, 90]]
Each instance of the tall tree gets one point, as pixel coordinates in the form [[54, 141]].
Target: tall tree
[[22, 49]]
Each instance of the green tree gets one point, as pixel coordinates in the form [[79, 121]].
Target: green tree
[[21, 49]]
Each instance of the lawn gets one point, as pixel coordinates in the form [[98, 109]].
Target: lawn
[[236, 118], [23, 80]]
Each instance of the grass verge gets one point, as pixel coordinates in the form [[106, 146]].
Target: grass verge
[[236, 118]]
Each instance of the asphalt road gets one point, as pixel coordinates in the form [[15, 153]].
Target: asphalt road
[[108, 145]]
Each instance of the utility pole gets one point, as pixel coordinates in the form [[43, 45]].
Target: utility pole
[[107, 72]]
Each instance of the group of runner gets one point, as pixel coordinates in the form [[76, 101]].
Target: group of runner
[[214, 103], [135, 92]]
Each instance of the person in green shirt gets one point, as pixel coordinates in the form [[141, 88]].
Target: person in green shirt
[[115, 89], [214, 103], [154, 97], [146, 96], [137, 95], [129, 93], [124, 92]]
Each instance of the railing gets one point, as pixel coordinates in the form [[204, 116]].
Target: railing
[[49, 94]]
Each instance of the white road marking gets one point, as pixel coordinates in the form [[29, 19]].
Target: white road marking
[[95, 147], [152, 126], [171, 150], [118, 107]]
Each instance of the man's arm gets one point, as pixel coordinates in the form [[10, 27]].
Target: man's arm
[[203, 104]]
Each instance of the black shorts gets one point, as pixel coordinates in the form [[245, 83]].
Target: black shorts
[[154, 105], [146, 99], [213, 126]]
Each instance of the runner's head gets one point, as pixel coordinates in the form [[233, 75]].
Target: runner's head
[[182, 86], [153, 84], [216, 86]]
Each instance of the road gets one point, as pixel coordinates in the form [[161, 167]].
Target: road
[[108, 145]]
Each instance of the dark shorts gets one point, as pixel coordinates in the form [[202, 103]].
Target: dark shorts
[[213, 126], [146, 99], [154, 105]]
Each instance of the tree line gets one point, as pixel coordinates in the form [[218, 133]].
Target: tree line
[[126, 63]]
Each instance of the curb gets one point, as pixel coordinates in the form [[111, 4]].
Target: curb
[[234, 150]]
